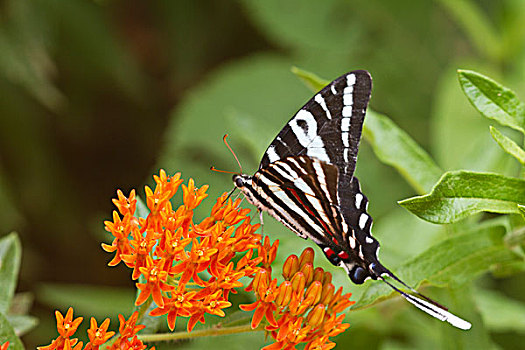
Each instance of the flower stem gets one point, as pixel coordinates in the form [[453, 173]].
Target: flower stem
[[143, 308], [214, 331]]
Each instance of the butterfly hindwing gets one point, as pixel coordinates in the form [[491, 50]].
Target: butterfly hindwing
[[301, 192]]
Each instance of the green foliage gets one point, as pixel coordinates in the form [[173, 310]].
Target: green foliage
[[12, 322], [460, 194], [493, 100], [451, 262], [7, 333], [10, 256], [508, 315], [396, 148], [508, 145]]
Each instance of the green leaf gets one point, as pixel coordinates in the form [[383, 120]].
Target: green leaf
[[10, 255], [453, 261], [509, 315], [459, 194], [521, 209], [7, 333], [313, 81], [508, 145], [493, 100], [395, 147], [22, 324]]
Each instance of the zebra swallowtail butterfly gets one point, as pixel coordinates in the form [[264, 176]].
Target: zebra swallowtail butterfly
[[306, 181]]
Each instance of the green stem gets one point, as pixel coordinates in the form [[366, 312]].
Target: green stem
[[198, 333], [143, 308]]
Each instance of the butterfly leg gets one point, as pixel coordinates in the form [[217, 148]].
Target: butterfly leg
[[261, 220]]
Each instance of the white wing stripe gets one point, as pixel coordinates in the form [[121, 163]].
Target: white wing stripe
[[319, 99]]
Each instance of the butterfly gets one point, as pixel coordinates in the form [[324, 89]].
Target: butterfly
[[306, 181]]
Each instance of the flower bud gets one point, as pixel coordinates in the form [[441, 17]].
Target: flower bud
[[308, 271], [298, 282], [327, 278], [316, 316], [290, 267], [261, 280], [336, 297], [307, 256], [327, 294], [285, 294], [318, 274], [272, 254], [314, 292]]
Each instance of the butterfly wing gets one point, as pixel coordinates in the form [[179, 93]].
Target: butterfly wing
[[328, 127]]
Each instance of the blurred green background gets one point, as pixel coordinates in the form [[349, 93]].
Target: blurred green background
[[98, 95]]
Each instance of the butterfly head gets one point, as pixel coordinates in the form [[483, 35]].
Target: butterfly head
[[241, 180]]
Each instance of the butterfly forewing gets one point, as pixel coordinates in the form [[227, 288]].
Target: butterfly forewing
[[328, 127]]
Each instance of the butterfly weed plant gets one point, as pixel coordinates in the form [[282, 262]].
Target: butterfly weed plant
[[190, 269]]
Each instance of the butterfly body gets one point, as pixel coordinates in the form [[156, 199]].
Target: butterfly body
[[306, 181]]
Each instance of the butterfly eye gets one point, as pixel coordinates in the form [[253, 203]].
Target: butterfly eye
[[358, 275], [238, 181]]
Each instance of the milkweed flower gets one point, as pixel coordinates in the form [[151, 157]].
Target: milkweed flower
[[302, 309], [98, 335], [66, 327], [169, 250]]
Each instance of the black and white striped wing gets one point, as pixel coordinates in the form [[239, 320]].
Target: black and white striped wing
[[300, 192], [328, 127]]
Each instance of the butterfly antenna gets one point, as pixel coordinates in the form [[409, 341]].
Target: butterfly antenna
[[431, 309], [231, 150]]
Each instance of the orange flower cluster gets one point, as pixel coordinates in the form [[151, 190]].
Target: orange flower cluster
[[97, 335], [302, 309], [169, 250]]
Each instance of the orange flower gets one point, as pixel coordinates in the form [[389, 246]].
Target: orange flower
[[126, 205], [98, 335], [155, 282], [171, 250], [66, 327], [4, 346], [127, 330], [179, 304], [120, 229], [192, 196], [70, 345], [142, 246]]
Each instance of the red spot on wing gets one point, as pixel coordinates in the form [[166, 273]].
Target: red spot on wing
[[343, 255], [328, 251]]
